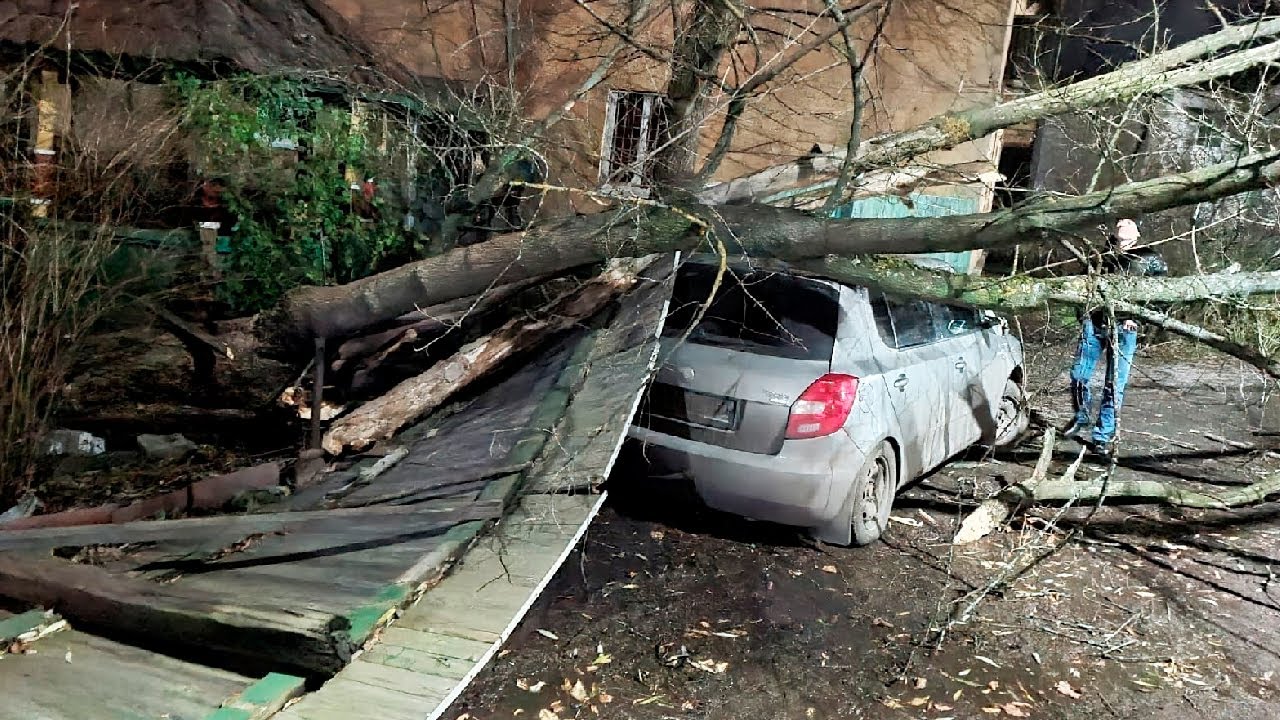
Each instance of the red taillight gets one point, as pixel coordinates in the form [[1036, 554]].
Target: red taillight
[[823, 407]]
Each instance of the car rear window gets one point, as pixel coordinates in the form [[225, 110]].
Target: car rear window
[[766, 313]]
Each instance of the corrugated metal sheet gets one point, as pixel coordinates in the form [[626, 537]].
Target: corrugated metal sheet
[[916, 205]]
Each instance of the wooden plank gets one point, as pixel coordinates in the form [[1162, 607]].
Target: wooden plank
[[188, 528], [75, 676], [262, 699], [452, 546], [247, 632], [447, 646], [409, 682], [417, 661], [339, 698], [469, 623]]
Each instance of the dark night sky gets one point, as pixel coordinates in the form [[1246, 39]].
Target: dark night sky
[[1122, 24]]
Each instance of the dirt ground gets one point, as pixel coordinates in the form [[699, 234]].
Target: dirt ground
[[668, 610]]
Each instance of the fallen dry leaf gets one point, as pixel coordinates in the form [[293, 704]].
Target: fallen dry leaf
[[605, 698], [577, 691], [918, 701], [829, 569], [1013, 710], [921, 683], [657, 534], [545, 714], [892, 703], [602, 659], [548, 634], [711, 666], [1065, 688], [992, 710]]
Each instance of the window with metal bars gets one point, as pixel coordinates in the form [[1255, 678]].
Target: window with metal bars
[[635, 125]]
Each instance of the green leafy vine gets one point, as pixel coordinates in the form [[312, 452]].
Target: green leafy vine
[[280, 155]]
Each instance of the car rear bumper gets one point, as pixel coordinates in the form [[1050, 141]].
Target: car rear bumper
[[800, 486]]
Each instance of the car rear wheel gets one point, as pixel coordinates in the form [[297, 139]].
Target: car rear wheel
[[1012, 415], [872, 496]]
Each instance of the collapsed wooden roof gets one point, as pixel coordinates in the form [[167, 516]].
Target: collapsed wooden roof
[[253, 35]]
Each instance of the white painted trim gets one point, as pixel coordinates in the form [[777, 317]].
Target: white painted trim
[[606, 142], [634, 177]]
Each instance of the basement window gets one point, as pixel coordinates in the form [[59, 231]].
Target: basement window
[[635, 124]]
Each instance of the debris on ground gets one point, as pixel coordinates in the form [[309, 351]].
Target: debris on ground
[[73, 443], [166, 447]]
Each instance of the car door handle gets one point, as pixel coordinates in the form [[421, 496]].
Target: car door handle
[[901, 383], [961, 365]]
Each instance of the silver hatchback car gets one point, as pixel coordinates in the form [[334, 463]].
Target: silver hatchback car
[[805, 402]]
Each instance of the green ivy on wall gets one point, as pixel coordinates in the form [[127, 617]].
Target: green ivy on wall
[[279, 153]]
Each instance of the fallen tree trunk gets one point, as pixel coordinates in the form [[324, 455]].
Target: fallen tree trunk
[[1182, 66], [755, 231], [424, 321], [381, 418], [1167, 493]]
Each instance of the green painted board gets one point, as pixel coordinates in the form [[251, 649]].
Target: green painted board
[[262, 699], [917, 205], [32, 623]]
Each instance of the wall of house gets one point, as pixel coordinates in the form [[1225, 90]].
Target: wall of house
[[936, 56]]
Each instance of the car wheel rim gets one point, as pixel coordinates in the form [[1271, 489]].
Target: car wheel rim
[[1006, 415], [873, 492]]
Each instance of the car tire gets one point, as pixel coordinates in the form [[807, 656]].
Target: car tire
[[1012, 415], [872, 494]]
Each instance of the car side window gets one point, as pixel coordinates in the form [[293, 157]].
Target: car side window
[[912, 321], [884, 323], [953, 320]]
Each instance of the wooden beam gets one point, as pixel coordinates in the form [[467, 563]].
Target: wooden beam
[[46, 539], [232, 628]]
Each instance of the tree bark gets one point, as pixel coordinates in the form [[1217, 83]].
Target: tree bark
[[1182, 66], [752, 230], [379, 419], [992, 513], [1167, 493]]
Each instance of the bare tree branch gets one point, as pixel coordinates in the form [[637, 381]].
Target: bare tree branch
[[1182, 66]]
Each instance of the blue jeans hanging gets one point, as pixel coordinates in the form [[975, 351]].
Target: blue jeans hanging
[[1096, 343]]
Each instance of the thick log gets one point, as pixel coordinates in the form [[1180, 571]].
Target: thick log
[[1183, 66], [1167, 493], [381, 418], [425, 321], [752, 230], [233, 628], [1028, 293]]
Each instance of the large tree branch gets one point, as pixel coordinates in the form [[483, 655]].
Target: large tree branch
[[753, 230], [1182, 66], [1121, 292]]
